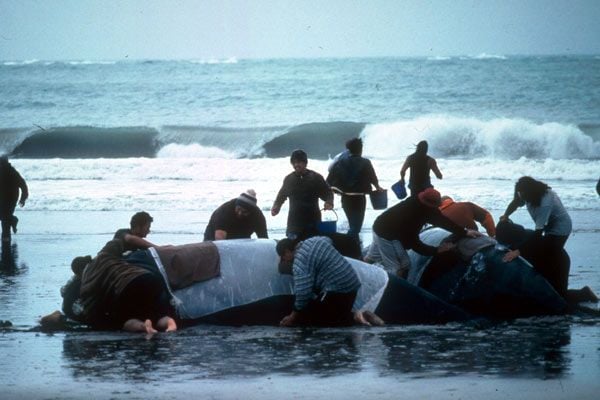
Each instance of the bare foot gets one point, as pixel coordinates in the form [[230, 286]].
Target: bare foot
[[53, 321], [167, 324], [149, 327], [373, 318], [136, 325]]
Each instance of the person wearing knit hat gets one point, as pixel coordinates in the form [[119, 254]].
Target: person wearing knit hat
[[397, 230], [238, 218], [304, 188]]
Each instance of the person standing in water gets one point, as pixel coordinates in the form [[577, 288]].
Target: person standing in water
[[304, 188], [420, 164], [11, 182]]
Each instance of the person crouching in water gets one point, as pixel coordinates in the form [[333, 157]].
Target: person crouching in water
[[128, 294], [325, 284], [238, 218]]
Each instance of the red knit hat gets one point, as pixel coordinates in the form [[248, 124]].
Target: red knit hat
[[430, 197]]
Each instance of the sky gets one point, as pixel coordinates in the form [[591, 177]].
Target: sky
[[220, 29]]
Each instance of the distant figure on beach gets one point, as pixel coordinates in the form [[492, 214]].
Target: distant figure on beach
[[465, 213], [552, 229], [115, 293], [397, 230], [353, 176], [304, 188], [11, 182], [325, 285], [420, 164], [238, 218], [134, 238], [598, 187]]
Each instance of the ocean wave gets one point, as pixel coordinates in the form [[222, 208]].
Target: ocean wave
[[230, 60], [453, 137], [449, 137]]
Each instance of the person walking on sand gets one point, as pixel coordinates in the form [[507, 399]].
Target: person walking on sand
[[353, 176], [304, 188], [238, 218], [134, 238], [420, 164], [11, 182]]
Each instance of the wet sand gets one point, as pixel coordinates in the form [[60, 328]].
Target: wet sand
[[534, 358]]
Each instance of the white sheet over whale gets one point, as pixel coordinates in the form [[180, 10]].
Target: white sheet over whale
[[249, 273]]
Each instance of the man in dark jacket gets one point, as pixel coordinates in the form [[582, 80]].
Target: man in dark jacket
[[304, 188], [237, 219], [397, 230], [353, 176], [10, 184]]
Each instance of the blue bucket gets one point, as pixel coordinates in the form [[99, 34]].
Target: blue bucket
[[329, 226], [379, 200], [399, 189]]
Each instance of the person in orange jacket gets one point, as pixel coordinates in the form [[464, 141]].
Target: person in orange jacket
[[465, 213]]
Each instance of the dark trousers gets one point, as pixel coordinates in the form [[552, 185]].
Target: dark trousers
[[8, 220], [329, 309], [354, 207], [547, 255]]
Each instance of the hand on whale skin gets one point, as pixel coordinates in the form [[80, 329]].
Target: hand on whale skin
[[511, 255]]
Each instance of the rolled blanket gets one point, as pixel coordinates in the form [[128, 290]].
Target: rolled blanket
[[189, 263]]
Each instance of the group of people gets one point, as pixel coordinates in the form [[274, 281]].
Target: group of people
[[325, 284]]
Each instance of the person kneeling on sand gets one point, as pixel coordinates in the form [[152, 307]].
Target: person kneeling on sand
[[134, 238], [318, 268], [109, 292]]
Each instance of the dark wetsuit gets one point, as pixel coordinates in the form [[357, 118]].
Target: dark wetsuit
[[419, 173], [353, 174], [224, 218], [304, 192], [120, 234], [10, 183]]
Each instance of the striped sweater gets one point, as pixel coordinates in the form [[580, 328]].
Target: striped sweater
[[318, 268]]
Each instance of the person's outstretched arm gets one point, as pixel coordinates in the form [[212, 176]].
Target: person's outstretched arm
[[404, 168], [434, 167]]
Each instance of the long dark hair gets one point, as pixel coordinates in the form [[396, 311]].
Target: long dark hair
[[531, 191]]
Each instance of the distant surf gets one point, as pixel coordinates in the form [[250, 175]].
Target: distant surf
[[448, 137]]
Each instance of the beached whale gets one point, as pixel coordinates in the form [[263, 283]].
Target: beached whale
[[249, 290], [480, 282]]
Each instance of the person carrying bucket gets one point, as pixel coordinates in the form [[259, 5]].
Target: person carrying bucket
[[304, 188], [352, 177]]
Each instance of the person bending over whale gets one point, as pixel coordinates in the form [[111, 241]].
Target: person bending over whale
[[134, 238], [397, 229], [109, 292], [318, 268]]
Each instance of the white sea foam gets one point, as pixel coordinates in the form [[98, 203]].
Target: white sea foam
[[474, 138], [193, 151], [204, 183]]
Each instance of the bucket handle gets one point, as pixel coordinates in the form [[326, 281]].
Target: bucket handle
[[332, 210]]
